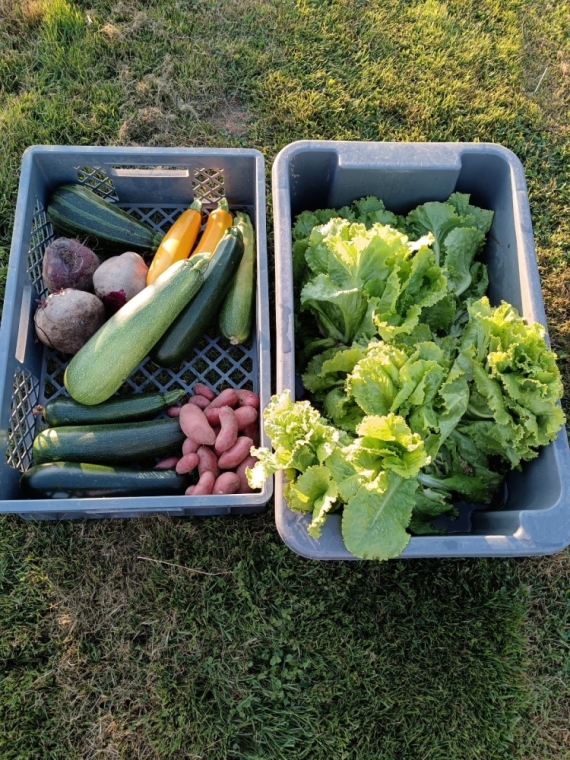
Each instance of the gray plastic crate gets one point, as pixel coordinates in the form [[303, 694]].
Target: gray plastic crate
[[535, 518], [155, 185]]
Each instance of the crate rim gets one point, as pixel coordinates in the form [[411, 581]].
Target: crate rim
[[291, 526]]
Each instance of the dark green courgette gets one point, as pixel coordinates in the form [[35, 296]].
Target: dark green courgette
[[140, 406], [189, 327], [236, 315], [109, 444], [76, 211], [65, 480]]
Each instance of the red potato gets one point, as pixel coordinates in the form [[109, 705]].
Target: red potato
[[228, 430], [252, 431], [238, 452], [190, 491], [245, 415], [195, 425], [213, 416], [204, 486], [203, 390], [200, 401], [173, 411], [226, 398], [248, 398], [188, 463], [208, 461], [190, 446], [167, 464], [249, 461], [228, 482]]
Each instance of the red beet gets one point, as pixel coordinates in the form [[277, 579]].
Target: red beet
[[69, 264]]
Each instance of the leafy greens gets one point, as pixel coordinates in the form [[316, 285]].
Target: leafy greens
[[421, 392]]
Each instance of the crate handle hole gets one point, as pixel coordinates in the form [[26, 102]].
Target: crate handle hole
[[155, 172]]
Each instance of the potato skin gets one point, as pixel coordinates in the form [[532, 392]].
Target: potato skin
[[66, 319]]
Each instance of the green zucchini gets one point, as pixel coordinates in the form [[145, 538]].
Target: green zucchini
[[65, 480], [76, 211], [108, 444], [237, 309], [102, 365], [178, 341], [139, 406]]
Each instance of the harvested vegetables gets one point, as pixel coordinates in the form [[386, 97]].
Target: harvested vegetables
[[119, 279], [76, 211], [67, 319], [69, 264], [219, 437], [218, 222], [177, 242], [237, 310], [104, 363], [421, 392]]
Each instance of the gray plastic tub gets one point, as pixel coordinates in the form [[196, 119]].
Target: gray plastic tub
[[155, 184], [313, 174]]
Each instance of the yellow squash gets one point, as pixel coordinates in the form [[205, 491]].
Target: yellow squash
[[178, 241], [218, 222]]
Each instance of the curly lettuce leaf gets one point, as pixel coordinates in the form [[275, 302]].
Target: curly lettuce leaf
[[461, 245], [459, 231], [390, 439], [374, 521], [339, 311], [516, 379], [439, 219], [351, 472], [342, 409], [392, 379], [416, 284], [371, 210], [299, 435], [307, 220], [375, 380], [314, 491], [476, 217], [330, 368]]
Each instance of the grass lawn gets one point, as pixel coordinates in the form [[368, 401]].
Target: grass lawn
[[232, 647]]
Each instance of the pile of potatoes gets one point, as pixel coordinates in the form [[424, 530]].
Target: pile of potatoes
[[220, 431]]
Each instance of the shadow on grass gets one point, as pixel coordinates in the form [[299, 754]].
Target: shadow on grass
[[276, 657]]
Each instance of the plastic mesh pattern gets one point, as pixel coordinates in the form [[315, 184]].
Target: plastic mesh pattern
[[41, 236], [97, 179], [208, 185], [21, 429]]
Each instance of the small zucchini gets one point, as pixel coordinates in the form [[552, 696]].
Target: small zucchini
[[237, 310], [66, 480], [177, 242], [218, 222], [189, 327], [139, 406], [77, 212], [108, 358], [109, 444]]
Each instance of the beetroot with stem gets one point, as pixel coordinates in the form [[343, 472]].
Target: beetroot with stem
[[68, 263]]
